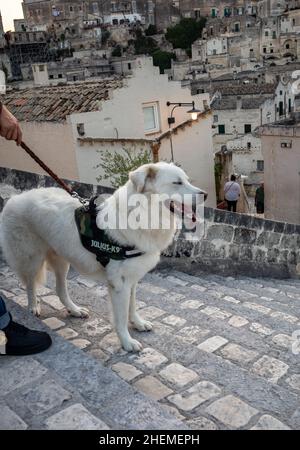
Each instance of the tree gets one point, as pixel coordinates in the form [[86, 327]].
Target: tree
[[117, 51], [105, 36], [116, 166], [162, 59], [185, 32], [151, 30], [144, 45]]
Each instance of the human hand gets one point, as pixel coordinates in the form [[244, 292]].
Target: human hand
[[9, 127]]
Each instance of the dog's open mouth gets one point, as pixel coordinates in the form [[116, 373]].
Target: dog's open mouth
[[182, 210]]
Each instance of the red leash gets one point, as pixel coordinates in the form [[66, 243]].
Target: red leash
[[47, 169]]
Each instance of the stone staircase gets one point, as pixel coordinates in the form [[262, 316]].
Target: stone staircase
[[221, 356]]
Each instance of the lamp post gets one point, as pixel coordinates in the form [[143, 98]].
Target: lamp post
[[171, 120]]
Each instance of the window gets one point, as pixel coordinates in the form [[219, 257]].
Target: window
[[216, 118], [274, 34], [260, 165], [221, 129], [51, 77], [151, 118], [129, 66], [248, 145], [71, 8], [59, 75], [265, 50], [247, 128], [287, 46], [42, 68], [281, 109], [266, 33], [286, 144]]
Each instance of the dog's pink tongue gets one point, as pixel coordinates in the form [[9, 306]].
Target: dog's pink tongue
[[189, 212]]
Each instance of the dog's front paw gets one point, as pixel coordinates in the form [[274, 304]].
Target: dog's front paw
[[80, 312], [142, 325], [36, 310], [131, 345]]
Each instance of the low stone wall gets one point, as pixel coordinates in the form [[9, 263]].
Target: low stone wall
[[23, 181], [239, 244], [232, 243]]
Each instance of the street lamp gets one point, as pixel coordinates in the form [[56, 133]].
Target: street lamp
[[194, 112], [171, 120]]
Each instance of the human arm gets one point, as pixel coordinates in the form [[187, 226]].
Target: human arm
[[9, 126]]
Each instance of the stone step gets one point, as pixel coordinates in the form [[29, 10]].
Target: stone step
[[209, 353], [65, 388]]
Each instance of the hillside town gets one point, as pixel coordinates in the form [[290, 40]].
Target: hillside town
[[245, 53], [96, 89]]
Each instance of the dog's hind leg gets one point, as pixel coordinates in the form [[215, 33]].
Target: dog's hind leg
[[61, 268], [32, 274], [136, 320], [34, 304], [120, 298]]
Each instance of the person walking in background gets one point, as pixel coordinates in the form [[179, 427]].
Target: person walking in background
[[260, 199], [15, 339], [232, 192]]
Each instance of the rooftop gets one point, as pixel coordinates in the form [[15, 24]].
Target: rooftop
[[55, 103], [230, 102], [245, 89]]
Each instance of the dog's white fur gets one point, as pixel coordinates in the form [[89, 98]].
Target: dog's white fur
[[38, 231]]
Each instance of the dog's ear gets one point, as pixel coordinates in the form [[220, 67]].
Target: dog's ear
[[141, 176]]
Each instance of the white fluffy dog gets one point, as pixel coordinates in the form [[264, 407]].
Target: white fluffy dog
[[38, 231]]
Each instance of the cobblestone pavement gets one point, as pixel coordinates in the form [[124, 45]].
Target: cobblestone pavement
[[221, 355]]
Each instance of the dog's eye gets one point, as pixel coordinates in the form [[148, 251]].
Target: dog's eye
[[177, 182]]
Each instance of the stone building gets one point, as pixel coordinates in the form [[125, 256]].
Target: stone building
[[281, 151], [70, 125]]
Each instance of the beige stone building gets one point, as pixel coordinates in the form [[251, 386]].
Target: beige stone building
[[281, 150], [70, 126]]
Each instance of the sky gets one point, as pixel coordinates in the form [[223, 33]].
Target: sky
[[10, 10]]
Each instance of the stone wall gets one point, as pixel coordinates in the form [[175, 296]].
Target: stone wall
[[17, 181], [239, 244], [232, 243]]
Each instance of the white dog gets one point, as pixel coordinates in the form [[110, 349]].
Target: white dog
[[39, 231]]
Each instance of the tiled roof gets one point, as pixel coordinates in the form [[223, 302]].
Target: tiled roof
[[225, 103], [245, 89], [54, 104], [252, 103]]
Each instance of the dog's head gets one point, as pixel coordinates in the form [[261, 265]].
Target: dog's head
[[169, 181]]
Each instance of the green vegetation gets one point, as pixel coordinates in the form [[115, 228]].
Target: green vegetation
[[162, 59], [116, 166], [151, 30], [117, 51], [185, 33]]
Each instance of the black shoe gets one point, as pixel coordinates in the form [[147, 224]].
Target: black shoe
[[23, 341]]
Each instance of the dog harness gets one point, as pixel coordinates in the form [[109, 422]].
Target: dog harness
[[96, 240]]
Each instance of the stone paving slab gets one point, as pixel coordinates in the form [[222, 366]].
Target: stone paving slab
[[219, 357], [65, 388]]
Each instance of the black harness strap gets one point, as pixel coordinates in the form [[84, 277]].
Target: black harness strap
[[96, 240]]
